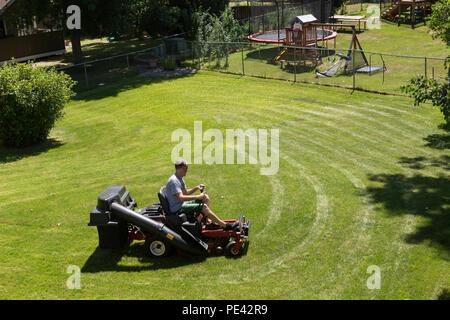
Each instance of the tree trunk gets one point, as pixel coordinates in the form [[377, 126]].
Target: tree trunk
[[76, 46]]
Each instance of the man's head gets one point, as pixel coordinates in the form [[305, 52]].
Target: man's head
[[181, 167]]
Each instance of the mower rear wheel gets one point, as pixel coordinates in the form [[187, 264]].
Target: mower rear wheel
[[230, 251], [155, 247]]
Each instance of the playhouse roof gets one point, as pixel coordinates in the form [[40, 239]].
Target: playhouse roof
[[307, 18], [5, 4]]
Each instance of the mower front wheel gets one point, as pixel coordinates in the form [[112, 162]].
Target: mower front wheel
[[155, 247], [230, 251]]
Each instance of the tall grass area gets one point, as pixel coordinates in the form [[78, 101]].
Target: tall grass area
[[363, 181]]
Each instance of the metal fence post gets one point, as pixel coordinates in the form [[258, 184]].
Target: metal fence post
[[199, 58], [295, 64], [354, 71], [128, 63], [86, 75], [242, 55], [426, 68]]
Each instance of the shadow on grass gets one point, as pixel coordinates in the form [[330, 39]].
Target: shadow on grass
[[8, 154], [119, 86], [108, 260], [444, 295], [419, 163], [439, 141], [297, 69], [419, 195], [270, 53], [100, 50]]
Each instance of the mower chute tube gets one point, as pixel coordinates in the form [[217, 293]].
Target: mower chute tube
[[156, 228]]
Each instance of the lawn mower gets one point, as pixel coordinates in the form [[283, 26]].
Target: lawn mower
[[118, 222]]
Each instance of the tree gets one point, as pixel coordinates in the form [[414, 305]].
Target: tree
[[440, 20], [438, 92], [103, 17], [222, 28], [98, 17]]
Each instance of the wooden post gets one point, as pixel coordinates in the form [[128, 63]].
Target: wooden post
[[86, 75], [278, 20], [249, 18]]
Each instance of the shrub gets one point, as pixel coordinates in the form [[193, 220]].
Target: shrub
[[439, 20], [169, 63], [438, 92], [31, 100]]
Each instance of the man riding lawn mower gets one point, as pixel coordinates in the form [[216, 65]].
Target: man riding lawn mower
[[179, 221], [181, 201]]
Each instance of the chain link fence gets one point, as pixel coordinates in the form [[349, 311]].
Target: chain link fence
[[348, 68], [95, 73], [353, 69]]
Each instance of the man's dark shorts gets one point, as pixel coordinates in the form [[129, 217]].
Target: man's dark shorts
[[192, 209]]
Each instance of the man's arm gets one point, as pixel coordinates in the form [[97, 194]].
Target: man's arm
[[191, 191], [185, 197]]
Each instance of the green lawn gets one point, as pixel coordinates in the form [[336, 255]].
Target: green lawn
[[363, 180]]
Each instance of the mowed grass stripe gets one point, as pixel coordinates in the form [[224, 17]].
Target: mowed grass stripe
[[281, 90], [309, 129], [358, 221], [374, 122]]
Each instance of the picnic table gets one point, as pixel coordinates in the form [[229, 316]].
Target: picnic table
[[358, 19]]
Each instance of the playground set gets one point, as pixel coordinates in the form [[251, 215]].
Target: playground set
[[305, 39], [415, 10]]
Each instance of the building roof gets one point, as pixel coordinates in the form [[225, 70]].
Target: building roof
[[308, 18], [4, 4]]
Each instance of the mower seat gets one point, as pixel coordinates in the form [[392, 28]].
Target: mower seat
[[163, 200]]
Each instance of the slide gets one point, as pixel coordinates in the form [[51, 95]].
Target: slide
[[279, 56]]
